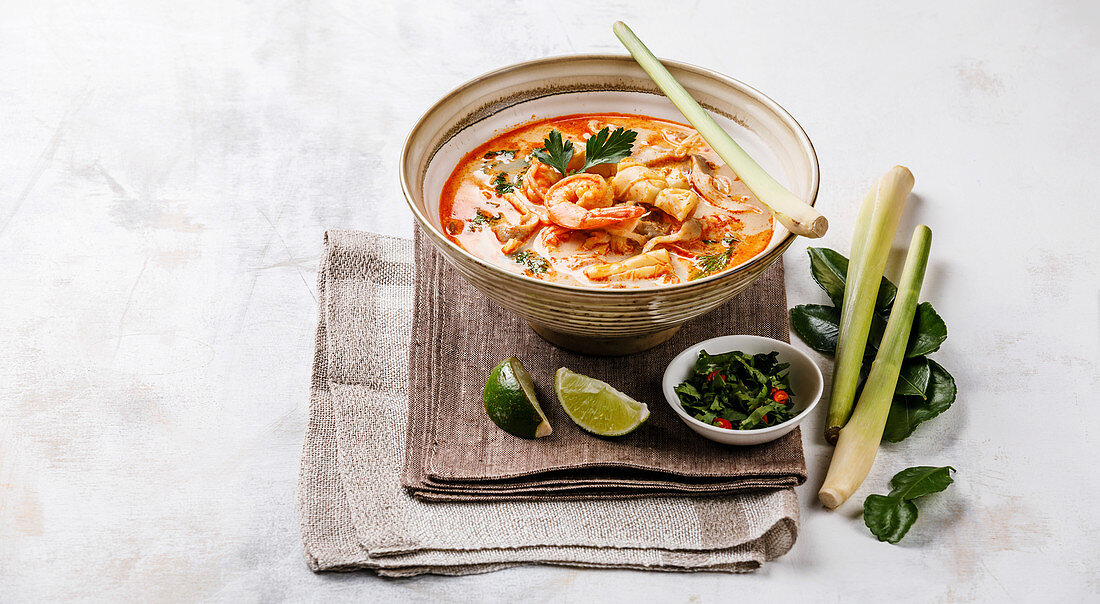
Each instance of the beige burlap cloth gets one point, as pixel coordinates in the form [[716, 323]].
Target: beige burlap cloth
[[355, 513]]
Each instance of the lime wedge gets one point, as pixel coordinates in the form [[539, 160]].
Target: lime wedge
[[596, 406], [511, 403]]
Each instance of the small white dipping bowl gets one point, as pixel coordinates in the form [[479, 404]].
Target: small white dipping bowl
[[805, 380]]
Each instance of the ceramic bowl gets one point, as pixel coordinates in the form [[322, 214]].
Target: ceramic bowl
[[585, 319], [806, 382]]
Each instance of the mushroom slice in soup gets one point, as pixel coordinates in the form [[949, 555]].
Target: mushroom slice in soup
[[705, 180], [653, 223], [689, 231]]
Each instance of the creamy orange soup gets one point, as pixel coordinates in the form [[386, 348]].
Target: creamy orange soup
[[668, 213]]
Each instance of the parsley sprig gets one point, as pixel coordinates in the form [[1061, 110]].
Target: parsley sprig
[[608, 147], [555, 152], [605, 147]]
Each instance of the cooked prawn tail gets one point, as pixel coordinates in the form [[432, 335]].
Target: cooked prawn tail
[[572, 216]]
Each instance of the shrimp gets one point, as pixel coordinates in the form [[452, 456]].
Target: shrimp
[[584, 201], [537, 181], [540, 177], [525, 207], [514, 235], [597, 242], [554, 235]]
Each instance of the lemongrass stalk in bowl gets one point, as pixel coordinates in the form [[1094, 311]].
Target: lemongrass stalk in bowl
[[859, 439], [792, 212], [876, 224]]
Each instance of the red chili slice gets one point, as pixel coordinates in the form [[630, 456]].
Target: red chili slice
[[780, 396], [722, 422]]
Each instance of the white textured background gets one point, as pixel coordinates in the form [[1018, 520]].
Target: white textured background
[[167, 170]]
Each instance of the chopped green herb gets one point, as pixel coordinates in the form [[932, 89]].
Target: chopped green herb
[[502, 155], [503, 187], [501, 166], [748, 391], [482, 218], [713, 263], [532, 261]]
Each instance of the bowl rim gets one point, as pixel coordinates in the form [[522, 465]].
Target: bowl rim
[[673, 400], [768, 102]]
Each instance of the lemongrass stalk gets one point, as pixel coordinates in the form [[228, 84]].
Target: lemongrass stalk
[[876, 224], [792, 212], [860, 438]]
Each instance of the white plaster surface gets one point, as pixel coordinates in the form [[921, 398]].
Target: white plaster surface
[[167, 170]]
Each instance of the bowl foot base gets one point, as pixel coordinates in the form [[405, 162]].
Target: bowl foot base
[[605, 346]]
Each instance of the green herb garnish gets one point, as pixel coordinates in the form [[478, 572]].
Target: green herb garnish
[[890, 516], [713, 263], [532, 261], [482, 218], [925, 389], [555, 152], [738, 390], [503, 187], [504, 163], [605, 147], [502, 155]]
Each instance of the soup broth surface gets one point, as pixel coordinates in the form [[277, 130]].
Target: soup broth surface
[[669, 213]]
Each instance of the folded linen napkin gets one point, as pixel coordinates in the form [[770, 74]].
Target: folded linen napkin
[[355, 514], [455, 453]]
